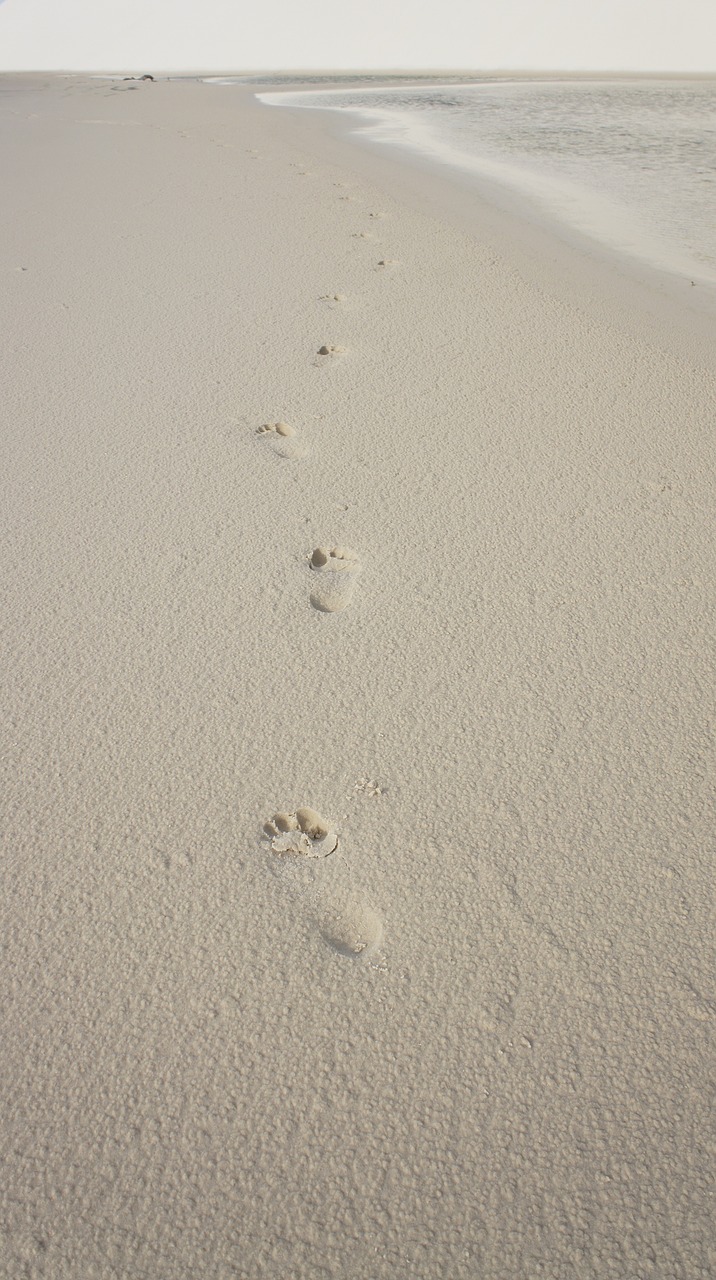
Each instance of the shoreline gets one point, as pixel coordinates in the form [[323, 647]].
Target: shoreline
[[359, 714], [495, 178], [552, 254]]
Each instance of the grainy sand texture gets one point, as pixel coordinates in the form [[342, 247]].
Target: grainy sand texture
[[357, 721]]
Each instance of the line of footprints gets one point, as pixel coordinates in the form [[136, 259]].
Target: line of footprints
[[305, 846]]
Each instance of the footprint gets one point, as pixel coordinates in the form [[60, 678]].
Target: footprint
[[287, 445], [337, 569], [347, 923], [332, 297], [329, 350], [368, 787], [388, 262], [303, 834], [376, 215], [302, 845], [281, 429], [362, 235]]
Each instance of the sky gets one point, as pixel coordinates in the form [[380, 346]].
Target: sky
[[242, 35]]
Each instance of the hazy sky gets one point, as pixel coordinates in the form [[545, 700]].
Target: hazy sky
[[638, 35]]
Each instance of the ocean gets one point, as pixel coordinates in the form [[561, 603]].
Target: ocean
[[628, 164]]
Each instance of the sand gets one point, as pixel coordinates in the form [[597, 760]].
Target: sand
[[457, 1022]]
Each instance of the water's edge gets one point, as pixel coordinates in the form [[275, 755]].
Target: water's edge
[[579, 217]]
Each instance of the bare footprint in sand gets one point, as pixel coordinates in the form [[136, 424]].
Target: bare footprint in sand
[[336, 569], [284, 436], [328, 349], [347, 923], [362, 235], [388, 262], [303, 834], [283, 429], [332, 297], [302, 845]]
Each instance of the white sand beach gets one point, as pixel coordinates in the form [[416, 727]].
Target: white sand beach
[[474, 1040]]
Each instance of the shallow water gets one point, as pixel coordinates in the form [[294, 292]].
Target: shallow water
[[631, 165]]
